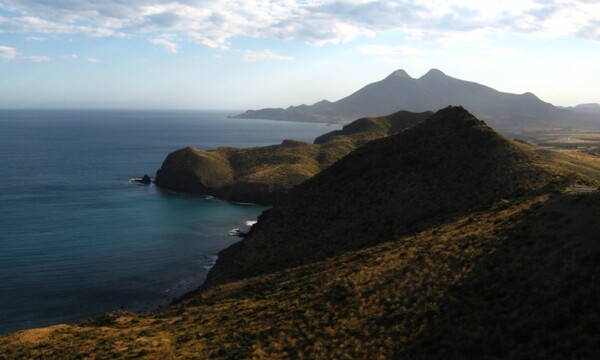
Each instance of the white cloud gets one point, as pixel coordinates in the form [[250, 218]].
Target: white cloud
[[35, 58], [264, 55], [165, 42], [214, 23], [92, 60], [36, 38], [8, 53], [39, 25], [33, 25]]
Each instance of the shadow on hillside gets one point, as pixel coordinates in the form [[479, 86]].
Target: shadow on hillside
[[536, 296]]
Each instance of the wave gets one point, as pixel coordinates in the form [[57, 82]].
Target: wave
[[212, 261]]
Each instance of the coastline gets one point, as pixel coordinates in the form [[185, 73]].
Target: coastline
[[184, 289], [79, 239]]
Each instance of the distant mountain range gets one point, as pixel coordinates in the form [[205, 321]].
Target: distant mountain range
[[592, 108], [399, 91]]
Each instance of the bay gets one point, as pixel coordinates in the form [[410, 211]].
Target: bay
[[78, 239]]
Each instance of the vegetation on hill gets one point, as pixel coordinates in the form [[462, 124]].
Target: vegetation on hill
[[446, 241], [264, 174], [443, 167], [517, 281]]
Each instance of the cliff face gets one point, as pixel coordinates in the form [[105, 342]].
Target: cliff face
[[194, 170], [448, 165], [265, 174], [257, 175]]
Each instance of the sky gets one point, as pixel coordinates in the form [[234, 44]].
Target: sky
[[215, 54]]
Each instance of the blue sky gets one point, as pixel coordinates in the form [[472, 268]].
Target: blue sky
[[251, 54]]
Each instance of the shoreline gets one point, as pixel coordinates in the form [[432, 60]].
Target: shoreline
[[184, 289], [95, 205]]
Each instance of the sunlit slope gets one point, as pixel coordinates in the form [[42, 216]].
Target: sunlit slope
[[265, 174], [446, 166]]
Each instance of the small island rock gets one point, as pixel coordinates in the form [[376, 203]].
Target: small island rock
[[144, 180]]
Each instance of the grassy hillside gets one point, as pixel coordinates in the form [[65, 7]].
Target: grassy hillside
[[445, 241], [517, 280], [264, 174], [576, 161], [448, 165]]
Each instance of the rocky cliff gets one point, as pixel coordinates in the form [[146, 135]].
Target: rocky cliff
[[265, 174]]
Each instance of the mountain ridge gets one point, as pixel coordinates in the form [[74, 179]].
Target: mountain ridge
[[398, 184], [589, 108], [505, 112]]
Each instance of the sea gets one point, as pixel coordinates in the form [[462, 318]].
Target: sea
[[78, 238]]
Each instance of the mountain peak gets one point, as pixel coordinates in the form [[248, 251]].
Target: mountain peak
[[400, 74], [433, 73], [588, 106], [423, 170], [508, 112]]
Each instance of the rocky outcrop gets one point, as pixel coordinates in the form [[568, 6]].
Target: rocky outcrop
[[143, 180], [195, 171], [264, 174]]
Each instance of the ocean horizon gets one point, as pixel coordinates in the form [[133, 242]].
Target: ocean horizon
[[79, 239]]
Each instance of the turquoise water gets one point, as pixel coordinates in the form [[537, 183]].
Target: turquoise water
[[78, 239]]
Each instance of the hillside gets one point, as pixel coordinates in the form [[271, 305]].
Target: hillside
[[443, 167], [499, 260], [264, 174], [505, 112], [591, 108]]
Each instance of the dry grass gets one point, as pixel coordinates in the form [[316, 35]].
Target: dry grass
[[478, 275], [264, 174], [578, 162], [436, 272]]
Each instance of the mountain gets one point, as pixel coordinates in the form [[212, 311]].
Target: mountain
[[592, 108], [503, 111], [445, 241], [265, 174], [443, 167]]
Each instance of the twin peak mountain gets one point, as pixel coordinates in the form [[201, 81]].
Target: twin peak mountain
[[505, 112]]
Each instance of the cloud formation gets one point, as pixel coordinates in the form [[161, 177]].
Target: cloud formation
[[214, 23], [265, 55], [165, 41], [8, 53]]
